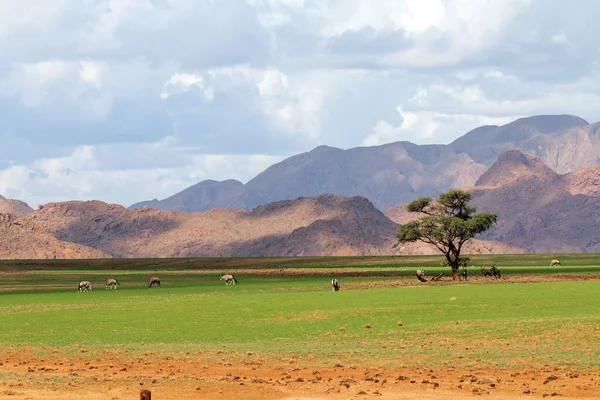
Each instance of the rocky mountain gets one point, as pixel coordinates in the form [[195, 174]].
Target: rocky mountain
[[563, 142], [323, 225], [212, 194], [12, 206], [21, 238], [401, 171], [539, 209]]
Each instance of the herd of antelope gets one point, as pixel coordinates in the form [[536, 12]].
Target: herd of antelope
[[229, 279], [112, 283], [491, 272]]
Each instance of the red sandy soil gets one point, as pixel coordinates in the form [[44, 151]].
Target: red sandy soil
[[108, 375]]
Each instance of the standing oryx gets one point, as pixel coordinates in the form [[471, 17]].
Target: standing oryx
[[85, 286], [229, 279], [492, 271], [554, 263], [154, 281], [112, 283], [335, 285], [486, 272]]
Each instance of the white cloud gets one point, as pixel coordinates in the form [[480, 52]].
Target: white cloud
[[104, 88], [185, 82], [89, 173], [429, 127], [92, 73], [560, 38], [559, 99], [84, 90], [286, 105]]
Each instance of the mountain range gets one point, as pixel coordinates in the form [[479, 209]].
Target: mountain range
[[547, 202], [322, 225], [538, 209], [398, 172]]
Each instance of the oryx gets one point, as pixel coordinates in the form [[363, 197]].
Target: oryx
[[85, 286], [154, 281], [229, 279], [112, 283], [335, 285]]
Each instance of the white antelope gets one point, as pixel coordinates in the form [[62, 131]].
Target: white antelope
[[229, 279], [335, 285], [85, 286], [112, 283], [154, 281]]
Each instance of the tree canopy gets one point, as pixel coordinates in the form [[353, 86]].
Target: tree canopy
[[447, 224]]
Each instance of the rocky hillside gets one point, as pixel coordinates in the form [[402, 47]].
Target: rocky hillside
[[21, 238], [538, 209], [212, 194], [402, 171], [323, 225], [15, 207]]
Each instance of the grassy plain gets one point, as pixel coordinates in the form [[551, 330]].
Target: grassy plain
[[283, 307], [281, 333]]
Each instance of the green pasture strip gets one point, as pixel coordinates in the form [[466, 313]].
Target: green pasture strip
[[228, 264], [65, 282], [350, 270], [463, 325]]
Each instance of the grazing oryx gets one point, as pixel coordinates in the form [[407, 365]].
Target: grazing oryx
[[112, 283], [554, 263], [335, 285], [229, 279], [421, 275], [154, 281], [85, 286], [492, 271], [495, 271]]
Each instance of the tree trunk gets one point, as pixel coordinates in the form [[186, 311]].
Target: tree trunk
[[455, 276], [453, 258]]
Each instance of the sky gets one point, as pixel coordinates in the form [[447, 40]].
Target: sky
[[130, 100]]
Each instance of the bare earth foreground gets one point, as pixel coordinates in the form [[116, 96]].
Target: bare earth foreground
[[113, 377], [47, 373]]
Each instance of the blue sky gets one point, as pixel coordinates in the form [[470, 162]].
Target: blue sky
[[128, 100]]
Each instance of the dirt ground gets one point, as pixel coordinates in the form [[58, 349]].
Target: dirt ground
[[110, 376]]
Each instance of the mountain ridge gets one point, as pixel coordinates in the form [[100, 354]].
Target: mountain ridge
[[326, 225], [540, 210], [13, 206], [401, 171]]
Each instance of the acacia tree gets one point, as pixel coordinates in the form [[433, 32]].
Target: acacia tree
[[448, 223]]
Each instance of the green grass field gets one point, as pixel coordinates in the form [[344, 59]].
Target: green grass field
[[279, 315]]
